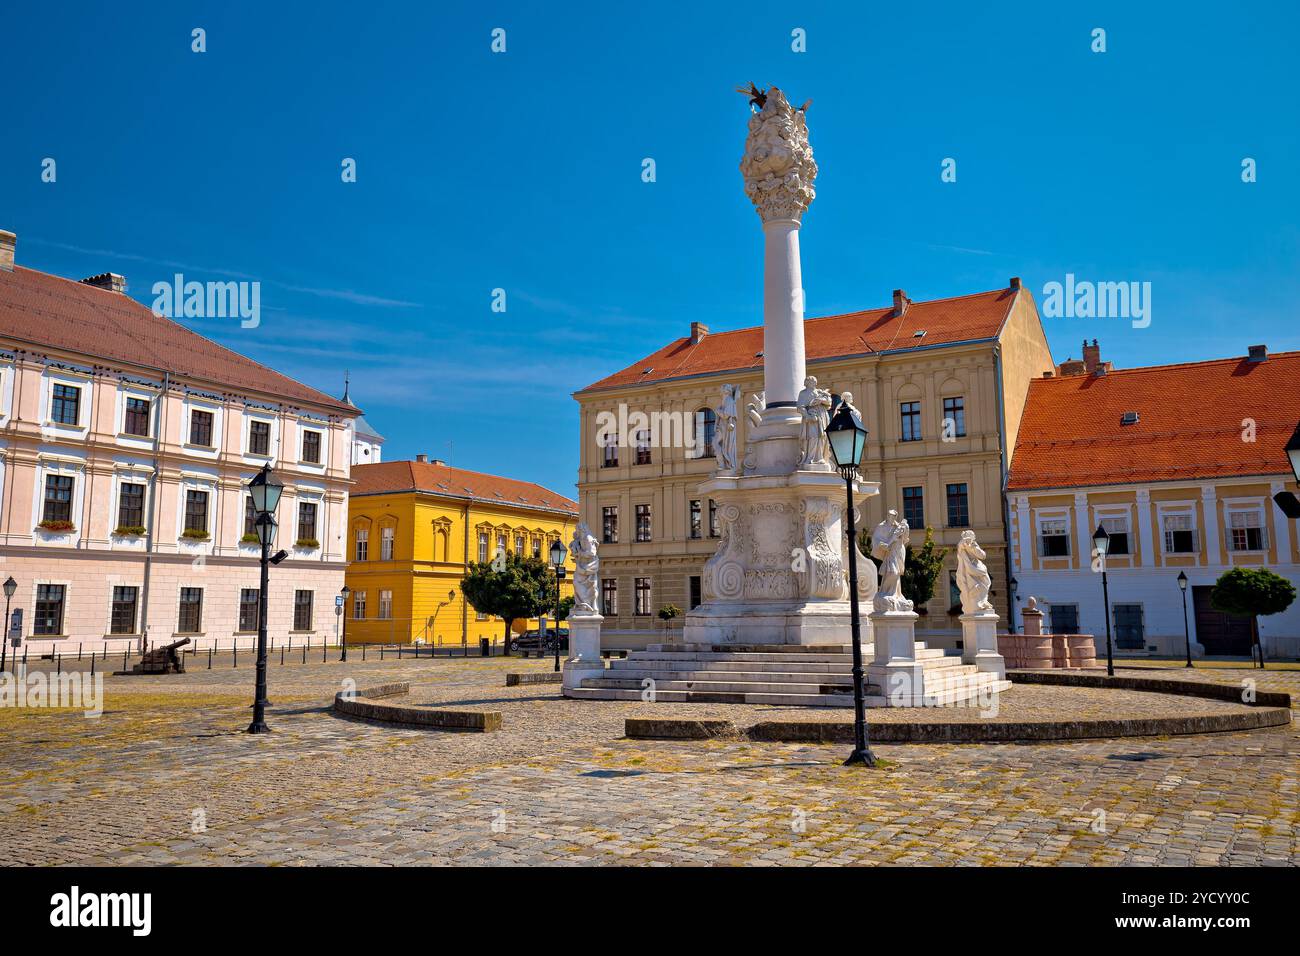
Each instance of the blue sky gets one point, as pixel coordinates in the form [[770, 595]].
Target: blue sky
[[522, 171]]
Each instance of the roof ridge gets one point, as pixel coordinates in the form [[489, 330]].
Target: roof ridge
[[126, 307], [1237, 359]]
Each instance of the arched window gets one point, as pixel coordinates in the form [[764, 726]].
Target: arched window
[[705, 424]]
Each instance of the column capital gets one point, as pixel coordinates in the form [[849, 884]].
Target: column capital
[[778, 165]]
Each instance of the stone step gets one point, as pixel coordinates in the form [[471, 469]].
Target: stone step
[[702, 697], [721, 686], [692, 664], [747, 676]]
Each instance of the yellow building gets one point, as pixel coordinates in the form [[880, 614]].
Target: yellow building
[[413, 528]]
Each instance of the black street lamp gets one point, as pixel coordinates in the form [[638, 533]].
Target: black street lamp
[[1293, 452], [1013, 586], [1187, 633], [265, 492], [1101, 541], [558, 553], [10, 587], [848, 439], [346, 592]]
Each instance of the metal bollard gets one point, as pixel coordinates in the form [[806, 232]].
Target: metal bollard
[[124, 653], [209, 658], [281, 655], [322, 651], [363, 652], [78, 652], [92, 665], [58, 663], [304, 654]]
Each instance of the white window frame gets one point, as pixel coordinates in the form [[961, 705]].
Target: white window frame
[[387, 542], [1113, 513], [1053, 515], [194, 404], [1245, 507], [84, 402], [305, 426], [1182, 509], [272, 441]]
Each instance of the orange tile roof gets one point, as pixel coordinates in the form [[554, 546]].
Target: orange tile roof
[[944, 321], [52, 312], [394, 477], [1190, 425]]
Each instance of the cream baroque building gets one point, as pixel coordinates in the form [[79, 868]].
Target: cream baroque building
[[941, 386], [1180, 464], [126, 442]]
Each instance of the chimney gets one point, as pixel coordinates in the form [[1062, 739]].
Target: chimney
[[1256, 353], [422, 459], [901, 302], [698, 331], [1091, 356], [107, 280], [439, 461], [7, 242], [1072, 366], [1015, 283]]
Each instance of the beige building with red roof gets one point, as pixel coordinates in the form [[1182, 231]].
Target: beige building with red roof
[[413, 529], [1180, 464], [941, 386], [126, 442]]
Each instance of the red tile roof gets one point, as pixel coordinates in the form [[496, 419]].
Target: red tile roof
[[944, 321], [1191, 420], [48, 311], [393, 477]]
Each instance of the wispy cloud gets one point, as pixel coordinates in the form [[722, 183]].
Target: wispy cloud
[[345, 295]]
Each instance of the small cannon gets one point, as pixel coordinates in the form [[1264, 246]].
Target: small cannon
[[163, 660]]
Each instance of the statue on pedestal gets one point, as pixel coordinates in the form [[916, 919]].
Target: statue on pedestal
[[889, 546], [586, 574], [815, 408], [973, 578], [724, 436]]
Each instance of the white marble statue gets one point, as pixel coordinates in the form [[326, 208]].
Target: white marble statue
[[724, 433], [586, 574], [757, 402], [973, 580], [778, 165], [815, 409], [889, 546]]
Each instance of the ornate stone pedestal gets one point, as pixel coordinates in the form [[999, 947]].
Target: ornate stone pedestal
[[778, 576], [979, 632], [584, 646], [895, 672]]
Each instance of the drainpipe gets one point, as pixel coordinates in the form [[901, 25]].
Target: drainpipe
[[1002, 491], [149, 513], [464, 605]]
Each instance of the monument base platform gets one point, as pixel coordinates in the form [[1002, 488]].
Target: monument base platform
[[808, 675], [796, 623]]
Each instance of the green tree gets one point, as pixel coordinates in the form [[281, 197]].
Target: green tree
[[1251, 592], [562, 612], [509, 587], [667, 613], [921, 569]]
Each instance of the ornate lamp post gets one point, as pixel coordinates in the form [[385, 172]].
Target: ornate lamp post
[[1013, 586], [10, 587], [1293, 452], [265, 492], [848, 439], [1187, 634], [558, 553], [1101, 541], [346, 592]]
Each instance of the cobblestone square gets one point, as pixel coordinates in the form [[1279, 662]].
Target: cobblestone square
[[166, 776]]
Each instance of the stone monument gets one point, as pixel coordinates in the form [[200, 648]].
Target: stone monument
[[979, 621], [778, 576], [894, 667], [585, 618]]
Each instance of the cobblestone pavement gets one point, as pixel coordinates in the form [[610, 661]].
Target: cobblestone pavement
[[166, 776]]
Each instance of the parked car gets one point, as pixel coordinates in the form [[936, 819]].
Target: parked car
[[528, 641]]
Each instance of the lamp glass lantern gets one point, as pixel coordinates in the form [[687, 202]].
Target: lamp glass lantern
[[1293, 452], [265, 491], [266, 528], [1182, 581], [847, 437], [558, 553], [10, 586], [1101, 541]]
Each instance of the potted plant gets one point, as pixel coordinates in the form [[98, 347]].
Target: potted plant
[[305, 543], [195, 534], [58, 527], [250, 538], [129, 530], [667, 613]]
